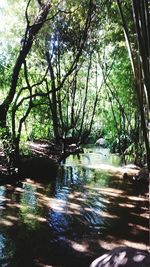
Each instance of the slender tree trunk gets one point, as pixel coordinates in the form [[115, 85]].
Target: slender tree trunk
[[141, 19], [54, 100], [141, 15], [85, 98], [30, 33]]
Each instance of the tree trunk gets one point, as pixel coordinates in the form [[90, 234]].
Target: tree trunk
[[30, 33], [141, 68]]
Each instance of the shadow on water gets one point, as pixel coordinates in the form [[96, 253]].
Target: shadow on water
[[70, 221]]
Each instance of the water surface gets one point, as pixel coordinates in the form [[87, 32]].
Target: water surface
[[87, 210]]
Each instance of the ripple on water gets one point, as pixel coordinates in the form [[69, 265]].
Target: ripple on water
[[85, 208]]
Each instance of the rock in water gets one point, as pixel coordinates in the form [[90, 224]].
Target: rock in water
[[101, 142], [123, 256]]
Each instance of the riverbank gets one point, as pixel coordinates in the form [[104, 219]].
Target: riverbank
[[56, 152], [42, 157]]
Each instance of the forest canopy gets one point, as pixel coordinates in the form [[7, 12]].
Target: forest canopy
[[76, 69]]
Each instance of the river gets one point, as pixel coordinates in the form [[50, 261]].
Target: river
[[87, 210]]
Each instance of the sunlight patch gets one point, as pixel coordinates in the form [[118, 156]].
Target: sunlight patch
[[126, 205], [108, 215], [6, 222], [112, 243], [139, 227], [13, 218], [79, 247]]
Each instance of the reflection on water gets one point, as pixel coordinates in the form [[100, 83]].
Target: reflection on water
[[28, 205], [2, 245], [68, 222], [91, 157]]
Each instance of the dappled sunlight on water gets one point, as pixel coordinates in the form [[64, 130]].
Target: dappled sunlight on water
[[69, 221]]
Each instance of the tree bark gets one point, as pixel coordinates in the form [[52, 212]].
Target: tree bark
[[30, 33], [141, 15]]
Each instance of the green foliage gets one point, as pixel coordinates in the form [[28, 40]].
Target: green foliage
[[102, 73]]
